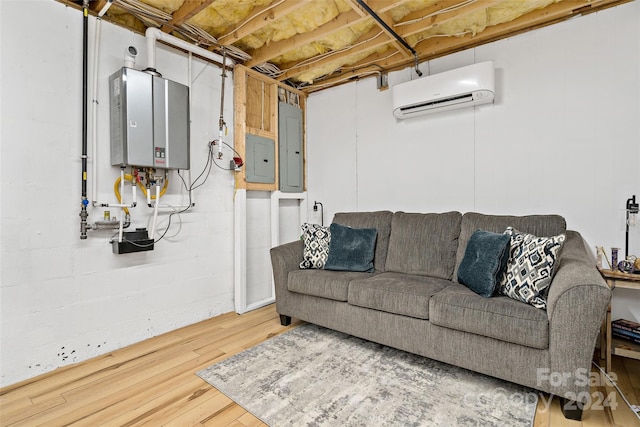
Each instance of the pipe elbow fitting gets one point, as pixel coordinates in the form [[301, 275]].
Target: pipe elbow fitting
[[130, 55]]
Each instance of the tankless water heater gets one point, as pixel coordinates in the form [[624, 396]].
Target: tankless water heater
[[149, 121]]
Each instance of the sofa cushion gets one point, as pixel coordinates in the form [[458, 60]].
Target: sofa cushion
[[424, 244], [323, 283], [351, 249], [396, 293], [532, 263], [316, 240], [380, 220], [502, 318], [539, 225], [484, 262]]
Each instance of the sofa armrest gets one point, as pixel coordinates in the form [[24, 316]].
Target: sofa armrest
[[577, 302], [285, 258]]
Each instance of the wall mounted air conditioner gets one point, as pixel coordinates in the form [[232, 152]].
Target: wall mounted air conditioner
[[458, 88]]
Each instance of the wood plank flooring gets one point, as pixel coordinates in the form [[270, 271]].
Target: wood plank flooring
[[153, 383]]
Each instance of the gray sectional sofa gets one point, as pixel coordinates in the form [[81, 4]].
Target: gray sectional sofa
[[413, 301]]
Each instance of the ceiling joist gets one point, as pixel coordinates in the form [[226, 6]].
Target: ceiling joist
[[188, 9], [316, 44], [264, 16], [273, 50]]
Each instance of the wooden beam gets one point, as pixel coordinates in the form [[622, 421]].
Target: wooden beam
[[258, 20], [437, 47], [342, 78], [381, 6], [371, 65], [97, 6], [551, 14], [439, 18], [342, 21], [405, 31], [185, 12], [387, 28], [373, 41], [239, 122], [273, 50], [354, 5]]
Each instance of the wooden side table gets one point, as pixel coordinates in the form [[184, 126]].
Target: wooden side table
[[608, 344]]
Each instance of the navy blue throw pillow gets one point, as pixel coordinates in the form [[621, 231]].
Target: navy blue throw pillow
[[484, 262], [351, 249]]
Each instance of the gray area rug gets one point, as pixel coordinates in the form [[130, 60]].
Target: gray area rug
[[312, 376]]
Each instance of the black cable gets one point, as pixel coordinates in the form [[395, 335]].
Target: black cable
[[207, 169], [189, 206], [189, 189], [391, 31], [234, 150], [315, 209], [208, 172]]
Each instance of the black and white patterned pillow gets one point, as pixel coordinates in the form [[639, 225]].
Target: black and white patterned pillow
[[316, 240], [530, 268]]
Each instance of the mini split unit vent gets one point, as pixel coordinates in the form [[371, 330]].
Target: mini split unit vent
[[459, 88]]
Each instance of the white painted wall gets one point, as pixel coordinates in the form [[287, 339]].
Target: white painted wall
[[259, 277], [64, 300], [562, 137]]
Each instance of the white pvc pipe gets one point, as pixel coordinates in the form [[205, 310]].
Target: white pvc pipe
[[117, 205], [155, 213], [121, 228], [105, 8], [94, 103], [153, 34]]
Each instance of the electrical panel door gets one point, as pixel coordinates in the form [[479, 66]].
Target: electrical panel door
[[260, 164], [149, 121], [290, 135]]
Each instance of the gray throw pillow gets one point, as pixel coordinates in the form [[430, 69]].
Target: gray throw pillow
[[485, 260], [351, 249]]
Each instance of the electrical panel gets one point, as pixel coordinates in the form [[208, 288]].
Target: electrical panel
[[290, 137], [149, 121], [260, 159]]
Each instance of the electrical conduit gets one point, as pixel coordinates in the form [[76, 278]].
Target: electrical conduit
[[84, 201]]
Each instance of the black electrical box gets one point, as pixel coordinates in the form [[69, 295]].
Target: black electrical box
[[133, 241]]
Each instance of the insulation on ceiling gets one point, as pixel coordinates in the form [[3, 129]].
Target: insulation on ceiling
[[305, 19], [338, 50], [222, 14], [477, 21]]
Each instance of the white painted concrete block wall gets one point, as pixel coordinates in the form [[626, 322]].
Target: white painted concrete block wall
[[64, 300], [562, 137]]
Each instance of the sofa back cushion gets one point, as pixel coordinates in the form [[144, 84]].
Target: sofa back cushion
[[538, 225], [424, 243], [380, 220]]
